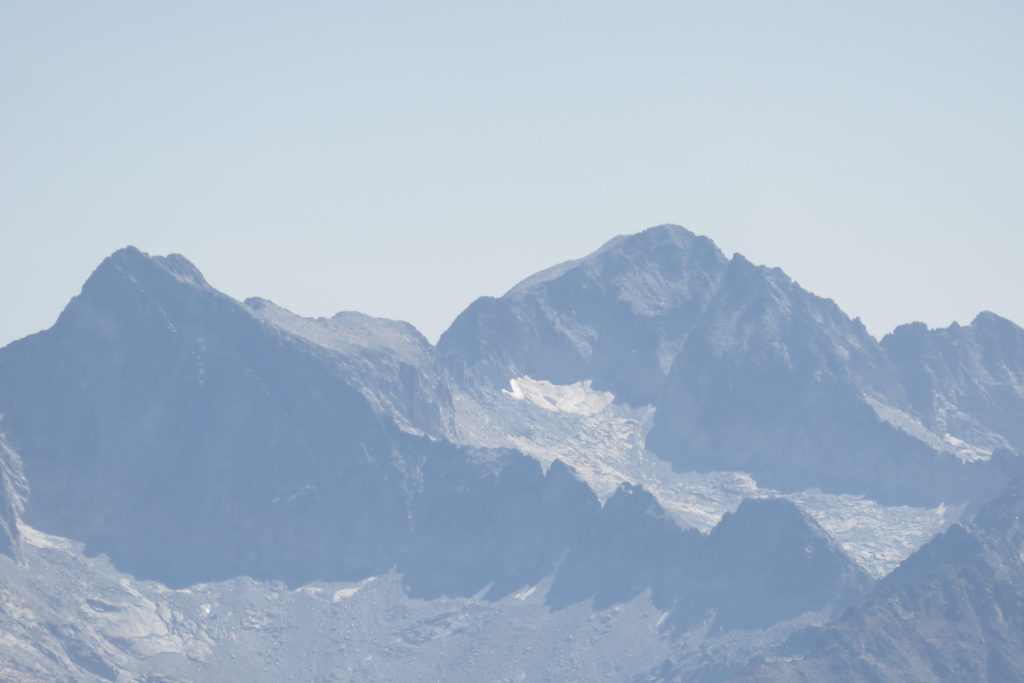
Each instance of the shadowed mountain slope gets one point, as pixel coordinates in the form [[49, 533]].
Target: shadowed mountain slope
[[953, 611]]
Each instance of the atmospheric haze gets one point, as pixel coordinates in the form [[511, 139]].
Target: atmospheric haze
[[400, 159]]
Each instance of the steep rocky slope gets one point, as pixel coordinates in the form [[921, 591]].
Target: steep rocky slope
[[953, 611], [745, 371]]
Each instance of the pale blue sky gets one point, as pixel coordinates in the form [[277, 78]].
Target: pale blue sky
[[402, 159]]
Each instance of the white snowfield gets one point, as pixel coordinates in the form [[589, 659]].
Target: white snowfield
[[604, 442], [577, 398]]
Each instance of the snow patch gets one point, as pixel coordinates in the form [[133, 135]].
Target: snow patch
[[525, 593], [345, 593], [577, 398], [37, 538]]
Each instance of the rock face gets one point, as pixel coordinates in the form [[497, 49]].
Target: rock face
[[168, 427], [748, 371], [388, 361], [617, 317], [13, 493], [763, 564], [965, 380], [952, 611], [192, 438], [772, 381]]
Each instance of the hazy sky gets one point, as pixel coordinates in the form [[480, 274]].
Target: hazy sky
[[402, 159]]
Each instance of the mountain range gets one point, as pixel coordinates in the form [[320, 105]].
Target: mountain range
[[655, 461]]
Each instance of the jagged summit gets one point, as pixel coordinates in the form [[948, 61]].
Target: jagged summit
[[652, 270], [617, 316], [131, 291], [967, 381], [622, 316], [745, 369], [983, 320], [138, 265], [995, 324]]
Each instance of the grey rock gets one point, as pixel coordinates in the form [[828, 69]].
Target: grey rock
[[953, 611], [194, 439], [13, 493]]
